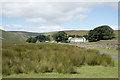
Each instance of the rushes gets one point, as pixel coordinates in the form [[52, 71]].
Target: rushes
[[45, 57]]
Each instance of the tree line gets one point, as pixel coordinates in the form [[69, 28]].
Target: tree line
[[103, 32], [41, 38]]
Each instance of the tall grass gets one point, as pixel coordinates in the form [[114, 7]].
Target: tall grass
[[46, 57]]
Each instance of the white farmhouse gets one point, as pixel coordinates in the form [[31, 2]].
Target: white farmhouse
[[69, 38], [78, 40], [46, 41]]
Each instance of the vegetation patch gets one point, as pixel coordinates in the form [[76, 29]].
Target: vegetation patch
[[112, 51], [46, 57]]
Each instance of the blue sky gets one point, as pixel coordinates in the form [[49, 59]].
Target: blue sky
[[47, 17]]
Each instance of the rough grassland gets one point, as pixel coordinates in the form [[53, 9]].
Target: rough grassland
[[83, 72], [56, 61]]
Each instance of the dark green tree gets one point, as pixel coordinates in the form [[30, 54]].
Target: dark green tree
[[47, 38], [85, 36], [41, 38], [29, 40], [105, 32], [78, 36], [100, 33], [93, 36], [33, 40], [60, 36], [71, 36]]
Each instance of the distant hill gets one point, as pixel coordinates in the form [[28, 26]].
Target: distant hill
[[80, 32], [10, 37], [73, 32], [27, 33], [69, 32]]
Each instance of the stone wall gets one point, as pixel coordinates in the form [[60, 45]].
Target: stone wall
[[100, 45]]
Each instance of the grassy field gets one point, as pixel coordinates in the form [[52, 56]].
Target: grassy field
[[84, 71], [112, 51], [56, 61]]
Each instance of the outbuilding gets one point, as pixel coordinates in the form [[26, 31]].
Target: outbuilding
[[37, 41], [78, 40]]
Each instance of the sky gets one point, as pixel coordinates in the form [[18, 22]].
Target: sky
[[57, 16]]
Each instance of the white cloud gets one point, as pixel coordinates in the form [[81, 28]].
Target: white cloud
[[45, 12], [115, 27], [1, 27], [39, 29], [15, 26], [53, 13], [49, 12]]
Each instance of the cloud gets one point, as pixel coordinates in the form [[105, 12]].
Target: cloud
[[39, 29], [1, 27], [53, 13], [115, 27], [15, 26], [49, 12]]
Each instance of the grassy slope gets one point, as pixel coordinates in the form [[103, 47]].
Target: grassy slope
[[10, 37], [26, 33], [83, 72]]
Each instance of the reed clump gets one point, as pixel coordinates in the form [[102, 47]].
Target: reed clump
[[48, 57]]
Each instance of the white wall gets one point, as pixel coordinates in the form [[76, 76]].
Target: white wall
[[79, 40]]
